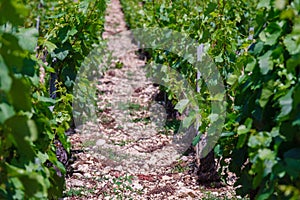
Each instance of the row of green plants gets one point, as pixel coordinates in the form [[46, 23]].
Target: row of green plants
[[42, 47], [256, 47]]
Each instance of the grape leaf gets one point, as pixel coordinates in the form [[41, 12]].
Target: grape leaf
[[286, 103], [181, 105]]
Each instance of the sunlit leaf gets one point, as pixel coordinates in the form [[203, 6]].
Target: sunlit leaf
[[291, 44], [28, 38], [286, 104], [6, 111], [265, 63], [181, 105]]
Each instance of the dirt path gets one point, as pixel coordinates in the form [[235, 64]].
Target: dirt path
[[130, 154]]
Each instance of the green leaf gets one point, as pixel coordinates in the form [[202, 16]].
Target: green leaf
[[49, 45], [292, 63], [271, 34], [292, 45], [266, 93], [18, 188], [288, 13], [219, 58], [258, 177], [12, 11], [275, 132], [265, 63], [44, 99], [292, 153], [28, 67], [5, 79], [279, 169], [242, 129], [266, 154], [42, 156], [188, 121], [60, 54], [33, 130], [72, 32], [56, 16], [28, 38], [50, 69], [14, 171], [260, 139], [280, 4], [23, 132], [20, 95], [32, 185], [286, 103], [258, 48], [241, 141], [210, 8], [264, 4], [6, 111], [227, 134], [11, 51], [181, 105], [196, 139], [292, 167], [268, 157], [69, 33], [232, 79], [248, 123], [62, 33], [250, 65], [213, 117], [53, 159]]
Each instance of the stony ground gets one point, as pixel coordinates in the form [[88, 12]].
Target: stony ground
[[129, 153]]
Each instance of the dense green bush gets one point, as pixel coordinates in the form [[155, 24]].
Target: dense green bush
[[31, 121], [267, 133]]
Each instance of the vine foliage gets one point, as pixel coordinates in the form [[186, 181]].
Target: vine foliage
[[52, 39], [256, 46]]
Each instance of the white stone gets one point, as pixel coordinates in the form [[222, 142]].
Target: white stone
[[215, 193], [77, 183], [77, 175], [137, 186], [100, 142], [119, 168], [106, 170], [184, 158], [180, 184], [165, 178], [87, 175], [83, 167], [98, 173]]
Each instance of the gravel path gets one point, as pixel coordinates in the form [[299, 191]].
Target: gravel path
[[129, 154]]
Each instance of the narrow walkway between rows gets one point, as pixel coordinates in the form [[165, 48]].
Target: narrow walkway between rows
[[127, 155]]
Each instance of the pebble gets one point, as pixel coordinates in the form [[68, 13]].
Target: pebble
[[83, 168], [77, 183], [119, 168], [215, 193], [184, 158], [98, 173], [106, 170], [100, 142], [166, 178], [87, 175], [180, 184], [137, 186], [77, 175], [88, 155]]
